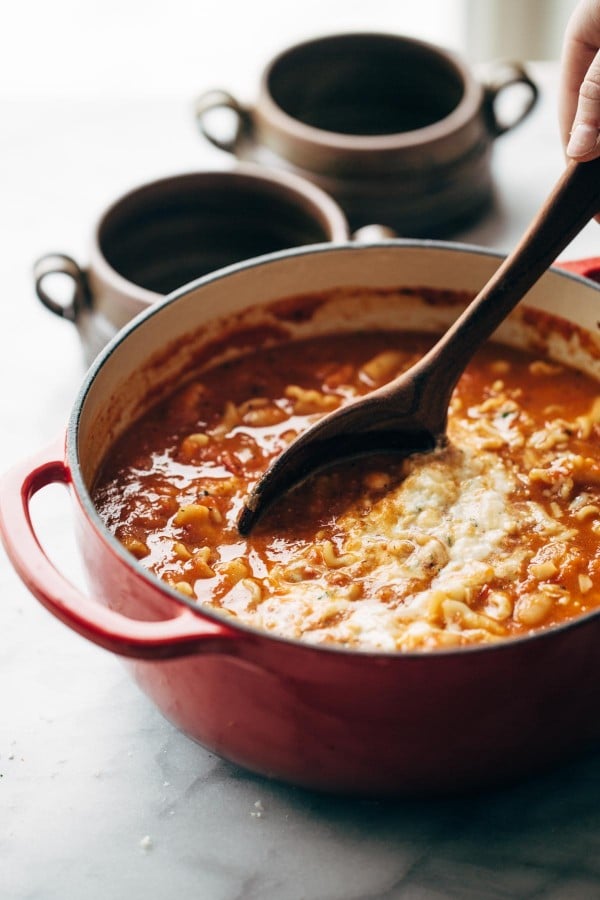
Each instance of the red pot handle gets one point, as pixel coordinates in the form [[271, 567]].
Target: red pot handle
[[185, 634], [589, 268]]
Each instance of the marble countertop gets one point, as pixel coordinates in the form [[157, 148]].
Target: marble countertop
[[99, 796]]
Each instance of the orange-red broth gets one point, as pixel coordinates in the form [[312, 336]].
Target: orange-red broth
[[172, 486]]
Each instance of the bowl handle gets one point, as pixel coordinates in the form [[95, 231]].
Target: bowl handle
[[60, 264], [217, 99], [588, 268], [504, 75], [185, 634]]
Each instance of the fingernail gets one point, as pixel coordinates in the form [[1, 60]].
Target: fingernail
[[583, 140]]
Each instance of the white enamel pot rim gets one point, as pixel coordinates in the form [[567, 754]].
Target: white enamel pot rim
[[302, 255]]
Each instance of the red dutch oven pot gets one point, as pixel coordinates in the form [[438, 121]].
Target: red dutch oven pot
[[371, 724]]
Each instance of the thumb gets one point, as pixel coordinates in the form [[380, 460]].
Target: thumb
[[584, 141]]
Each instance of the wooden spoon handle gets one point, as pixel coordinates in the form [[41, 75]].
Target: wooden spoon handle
[[573, 202]]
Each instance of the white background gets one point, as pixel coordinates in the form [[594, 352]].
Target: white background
[[89, 48]]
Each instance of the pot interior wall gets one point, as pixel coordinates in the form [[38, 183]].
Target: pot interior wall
[[353, 288]]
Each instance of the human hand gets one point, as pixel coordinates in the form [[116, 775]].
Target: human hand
[[579, 101]]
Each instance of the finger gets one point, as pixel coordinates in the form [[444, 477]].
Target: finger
[[576, 61], [583, 141], [580, 48]]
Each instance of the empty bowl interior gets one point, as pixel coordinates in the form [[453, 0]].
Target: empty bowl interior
[[365, 84], [172, 232]]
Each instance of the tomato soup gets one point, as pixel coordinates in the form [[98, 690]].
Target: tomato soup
[[490, 536]]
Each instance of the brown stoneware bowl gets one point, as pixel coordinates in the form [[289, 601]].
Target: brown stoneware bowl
[[397, 130], [163, 234]]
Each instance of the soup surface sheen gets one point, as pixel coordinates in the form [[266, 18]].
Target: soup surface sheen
[[495, 535]]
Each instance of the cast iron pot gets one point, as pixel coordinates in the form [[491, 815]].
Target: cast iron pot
[[372, 724]]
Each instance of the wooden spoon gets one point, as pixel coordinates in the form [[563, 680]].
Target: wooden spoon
[[409, 414]]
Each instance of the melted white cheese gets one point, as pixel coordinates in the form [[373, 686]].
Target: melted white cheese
[[414, 564]]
